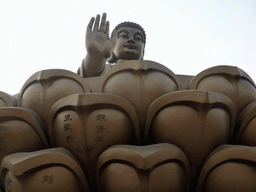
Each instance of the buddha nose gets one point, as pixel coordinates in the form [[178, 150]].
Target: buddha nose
[[130, 40]]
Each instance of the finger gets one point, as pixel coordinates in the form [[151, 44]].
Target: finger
[[107, 28], [89, 26], [103, 22], [96, 24]]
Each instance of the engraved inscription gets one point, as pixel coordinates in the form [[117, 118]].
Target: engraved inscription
[[47, 179], [89, 149], [3, 149], [101, 118], [3, 128], [69, 138], [99, 139], [100, 128], [2, 139], [8, 182], [67, 117], [67, 126], [79, 149]]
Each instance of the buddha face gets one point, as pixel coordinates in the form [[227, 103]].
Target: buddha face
[[129, 44]]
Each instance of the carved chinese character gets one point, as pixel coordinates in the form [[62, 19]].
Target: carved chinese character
[[101, 118], [2, 140], [8, 182], [69, 138], [89, 149], [99, 140], [67, 126], [67, 118], [79, 149], [2, 149], [48, 179], [100, 128], [3, 128]]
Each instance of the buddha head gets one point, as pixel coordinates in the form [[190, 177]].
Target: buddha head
[[130, 43]]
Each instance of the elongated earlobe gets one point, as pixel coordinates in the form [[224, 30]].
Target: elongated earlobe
[[112, 58], [143, 53]]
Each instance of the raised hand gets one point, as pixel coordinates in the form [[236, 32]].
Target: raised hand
[[98, 42]]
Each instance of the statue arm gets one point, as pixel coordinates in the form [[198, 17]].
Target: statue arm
[[92, 66], [98, 45]]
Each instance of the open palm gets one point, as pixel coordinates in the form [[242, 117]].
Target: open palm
[[97, 37]]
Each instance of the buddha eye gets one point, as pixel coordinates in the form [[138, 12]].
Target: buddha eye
[[138, 39], [122, 36]]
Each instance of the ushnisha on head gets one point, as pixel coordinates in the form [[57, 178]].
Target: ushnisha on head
[[130, 43]]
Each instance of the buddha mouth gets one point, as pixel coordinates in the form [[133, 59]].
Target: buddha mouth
[[130, 46]]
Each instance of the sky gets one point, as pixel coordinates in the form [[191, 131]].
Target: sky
[[187, 36]]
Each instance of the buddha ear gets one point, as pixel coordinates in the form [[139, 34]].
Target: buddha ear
[[112, 58], [143, 54]]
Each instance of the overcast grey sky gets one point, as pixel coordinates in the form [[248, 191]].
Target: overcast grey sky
[[187, 36]]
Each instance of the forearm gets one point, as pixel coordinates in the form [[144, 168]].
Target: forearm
[[93, 66]]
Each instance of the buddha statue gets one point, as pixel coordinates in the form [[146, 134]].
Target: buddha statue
[[127, 42]]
